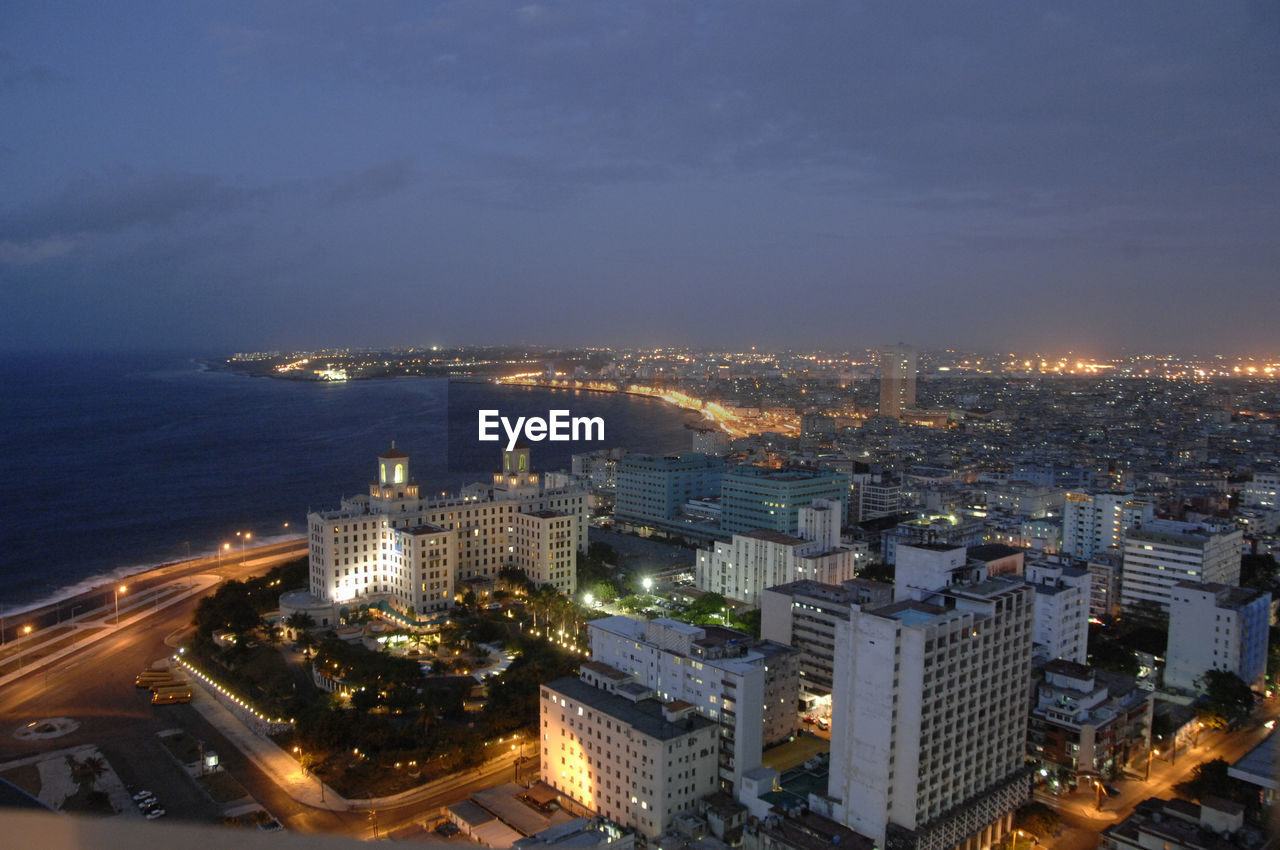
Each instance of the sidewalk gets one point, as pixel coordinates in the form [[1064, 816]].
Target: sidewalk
[[100, 624], [283, 770]]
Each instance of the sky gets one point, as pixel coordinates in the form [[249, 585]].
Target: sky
[[291, 175]]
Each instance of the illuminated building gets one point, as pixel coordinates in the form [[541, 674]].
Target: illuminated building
[[929, 716], [749, 687], [1262, 491], [624, 753], [1216, 627], [743, 567], [755, 497], [898, 365], [1163, 553], [395, 545], [951, 530], [1094, 520]]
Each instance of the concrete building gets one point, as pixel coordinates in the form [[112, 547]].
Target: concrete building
[[1061, 627], [929, 716], [652, 489], [1087, 723], [1104, 591], [898, 367], [1216, 627], [1181, 825], [948, 529], [637, 760], [395, 545], [1163, 553], [750, 688], [710, 441], [754, 497], [1095, 520], [804, 614], [1263, 491], [926, 567], [747, 564]]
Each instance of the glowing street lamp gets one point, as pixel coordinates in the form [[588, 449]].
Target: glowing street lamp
[[244, 536], [119, 590], [1150, 755]]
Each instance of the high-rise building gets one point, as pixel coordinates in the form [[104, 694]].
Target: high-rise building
[[751, 688], [1163, 553], [1094, 520], [898, 364], [1216, 627], [929, 716], [396, 546], [755, 497]]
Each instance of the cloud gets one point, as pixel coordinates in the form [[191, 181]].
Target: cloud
[[372, 183], [15, 76]]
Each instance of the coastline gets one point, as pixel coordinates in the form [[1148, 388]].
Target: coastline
[[98, 591]]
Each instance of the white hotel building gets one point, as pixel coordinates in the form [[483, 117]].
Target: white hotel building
[[394, 545], [929, 716]]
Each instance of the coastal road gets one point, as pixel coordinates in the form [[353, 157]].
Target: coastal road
[[95, 687]]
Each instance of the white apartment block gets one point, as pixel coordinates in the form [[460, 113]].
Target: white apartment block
[[1216, 627], [804, 614], [923, 568], [741, 568], [1061, 619], [393, 544], [1263, 491], [929, 717], [751, 688], [625, 755], [1164, 552], [1095, 520]]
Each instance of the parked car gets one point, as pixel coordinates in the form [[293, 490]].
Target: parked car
[[142, 795], [152, 814]]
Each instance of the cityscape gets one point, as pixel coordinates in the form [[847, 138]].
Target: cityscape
[[897, 599], [601, 425]]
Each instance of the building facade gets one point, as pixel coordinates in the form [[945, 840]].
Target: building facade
[[1061, 629], [755, 497], [1217, 627], [898, 367], [1163, 553], [392, 544], [750, 688], [634, 759], [929, 716], [1095, 520], [652, 489]]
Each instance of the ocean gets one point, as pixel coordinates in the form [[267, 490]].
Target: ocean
[[113, 463]]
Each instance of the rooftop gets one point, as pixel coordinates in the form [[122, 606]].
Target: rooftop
[[645, 716]]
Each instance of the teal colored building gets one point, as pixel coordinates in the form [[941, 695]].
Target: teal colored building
[[762, 497]]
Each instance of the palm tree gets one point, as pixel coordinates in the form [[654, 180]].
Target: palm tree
[[300, 621]]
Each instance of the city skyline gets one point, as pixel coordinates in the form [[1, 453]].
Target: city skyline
[[234, 177]]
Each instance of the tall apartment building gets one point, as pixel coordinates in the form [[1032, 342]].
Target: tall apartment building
[[748, 563], [898, 366], [1216, 627], [1061, 626], [653, 488], [1164, 552], [755, 497], [751, 688], [618, 750], [392, 544], [804, 614], [1095, 520], [929, 716]]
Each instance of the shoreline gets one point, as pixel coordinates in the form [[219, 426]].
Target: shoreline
[[66, 603]]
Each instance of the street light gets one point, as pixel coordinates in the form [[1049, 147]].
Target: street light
[[119, 590], [1150, 755], [26, 630], [244, 536]]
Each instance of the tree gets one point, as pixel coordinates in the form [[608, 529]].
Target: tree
[[1227, 699], [1210, 779], [1259, 572], [1038, 819]]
